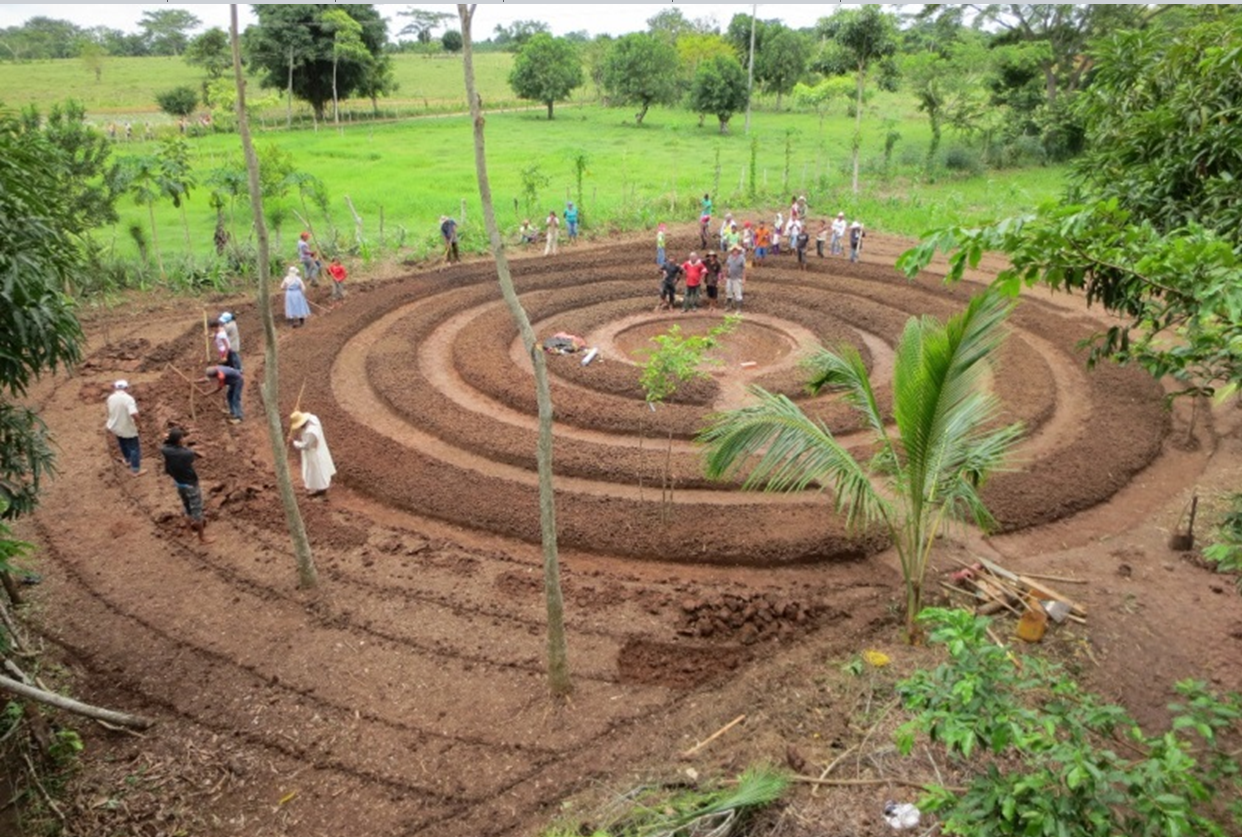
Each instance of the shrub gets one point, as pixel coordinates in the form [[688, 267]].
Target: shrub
[[179, 101], [961, 159]]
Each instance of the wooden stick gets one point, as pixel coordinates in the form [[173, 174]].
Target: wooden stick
[[206, 336], [179, 372], [297, 406], [71, 705], [1049, 593], [688, 753], [193, 414], [846, 783], [1060, 579]]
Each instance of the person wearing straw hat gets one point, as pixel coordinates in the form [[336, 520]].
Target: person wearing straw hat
[[317, 465], [838, 235], [856, 237], [122, 408]]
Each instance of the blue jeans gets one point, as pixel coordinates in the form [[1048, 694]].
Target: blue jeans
[[573, 230], [234, 398], [131, 452], [660, 256]]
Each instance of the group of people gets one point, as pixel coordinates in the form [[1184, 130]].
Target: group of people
[[703, 276], [786, 234], [179, 458], [297, 304]]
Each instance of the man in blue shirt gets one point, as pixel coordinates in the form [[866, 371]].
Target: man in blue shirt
[[571, 220]]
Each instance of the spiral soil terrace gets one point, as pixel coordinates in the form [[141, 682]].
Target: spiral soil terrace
[[431, 405]]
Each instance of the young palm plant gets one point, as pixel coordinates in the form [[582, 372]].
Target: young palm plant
[[932, 462]]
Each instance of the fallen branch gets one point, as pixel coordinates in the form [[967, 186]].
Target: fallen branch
[[848, 783], [688, 753], [70, 705]]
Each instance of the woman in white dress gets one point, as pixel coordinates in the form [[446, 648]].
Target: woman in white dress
[[317, 465]]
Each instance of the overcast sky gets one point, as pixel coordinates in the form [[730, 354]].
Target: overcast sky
[[614, 19]]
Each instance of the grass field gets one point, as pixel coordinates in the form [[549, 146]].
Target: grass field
[[412, 170]]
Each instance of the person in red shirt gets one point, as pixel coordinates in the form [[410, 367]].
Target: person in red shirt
[[695, 270], [337, 271]]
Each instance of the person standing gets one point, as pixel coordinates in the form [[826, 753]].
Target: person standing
[[230, 377], [336, 270], [735, 277], [763, 240], [317, 465], [448, 231], [801, 242], [856, 237], [179, 464], [821, 238], [230, 328], [307, 257], [838, 235], [221, 338], [711, 278], [571, 220], [660, 242], [551, 229], [694, 270], [707, 207], [669, 271], [296, 306], [122, 409]]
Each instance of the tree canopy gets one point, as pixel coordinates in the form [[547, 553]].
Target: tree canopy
[[39, 330], [167, 30], [546, 69], [719, 89], [296, 39], [640, 69]]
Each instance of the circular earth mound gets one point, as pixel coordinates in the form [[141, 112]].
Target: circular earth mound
[[429, 399]]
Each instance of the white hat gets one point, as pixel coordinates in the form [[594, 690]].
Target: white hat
[[856, 224], [226, 317], [121, 384], [840, 214]]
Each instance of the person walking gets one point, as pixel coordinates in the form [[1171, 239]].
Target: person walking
[[296, 306], [735, 277], [179, 464], [571, 220], [551, 229], [448, 231], [306, 256], [230, 329], [122, 409], [694, 270], [317, 465], [230, 377], [838, 235], [856, 237]]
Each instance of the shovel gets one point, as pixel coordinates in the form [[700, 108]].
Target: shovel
[[1181, 541]]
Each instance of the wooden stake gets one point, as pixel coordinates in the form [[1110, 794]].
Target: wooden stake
[[688, 753], [206, 336]]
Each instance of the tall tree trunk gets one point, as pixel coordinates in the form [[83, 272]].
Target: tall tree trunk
[[336, 107], [270, 389], [549, 111], [558, 661], [155, 241], [289, 93], [858, 125], [750, 67]]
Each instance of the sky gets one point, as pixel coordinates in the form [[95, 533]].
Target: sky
[[610, 18]]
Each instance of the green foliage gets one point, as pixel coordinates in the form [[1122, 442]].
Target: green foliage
[[782, 61], [88, 180], [641, 69], [679, 811], [546, 70], [515, 35], [306, 35], [719, 89], [451, 41], [533, 180], [179, 101], [946, 442], [1226, 550], [211, 51], [166, 30], [677, 359], [1064, 775]]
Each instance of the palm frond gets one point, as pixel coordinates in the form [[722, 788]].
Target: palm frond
[[790, 452], [843, 371]]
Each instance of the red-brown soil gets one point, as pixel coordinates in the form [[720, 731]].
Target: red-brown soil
[[406, 694]]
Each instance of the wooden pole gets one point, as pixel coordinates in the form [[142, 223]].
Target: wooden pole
[[206, 336], [70, 705]]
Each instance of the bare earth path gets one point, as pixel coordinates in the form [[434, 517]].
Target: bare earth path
[[405, 696]]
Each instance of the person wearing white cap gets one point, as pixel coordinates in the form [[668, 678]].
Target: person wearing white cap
[[317, 465], [122, 408], [838, 235], [856, 237], [230, 328]]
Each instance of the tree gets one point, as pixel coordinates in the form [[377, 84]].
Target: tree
[[346, 45], [1151, 224], [781, 62], [166, 30], [546, 69], [90, 187], [558, 658], [210, 50], [270, 388], [39, 330], [292, 49], [671, 25], [694, 48], [451, 41], [179, 101], [719, 89], [512, 37], [378, 80], [947, 84], [93, 55], [859, 39], [41, 37], [422, 23], [821, 96], [935, 460], [641, 69]]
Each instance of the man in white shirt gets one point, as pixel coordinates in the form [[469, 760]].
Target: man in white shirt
[[838, 235], [121, 412]]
